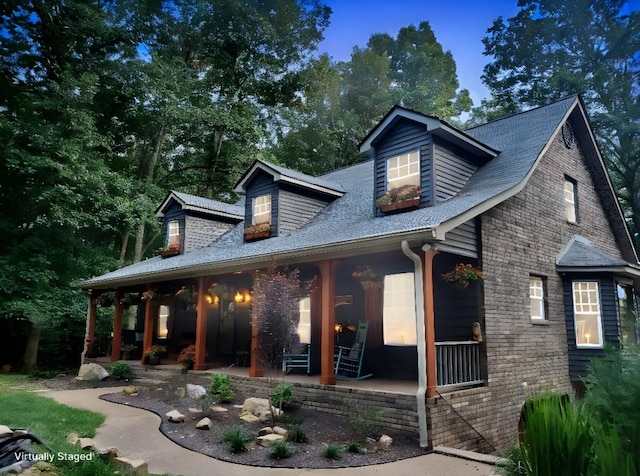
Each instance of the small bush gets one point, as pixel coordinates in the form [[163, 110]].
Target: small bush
[[297, 434], [281, 450], [366, 422], [332, 451], [290, 420], [281, 394], [120, 369], [354, 447], [220, 388], [237, 438]]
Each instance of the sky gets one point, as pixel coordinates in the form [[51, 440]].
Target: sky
[[459, 26]]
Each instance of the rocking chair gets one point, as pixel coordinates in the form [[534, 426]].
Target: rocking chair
[[298, 357], [349, 359]]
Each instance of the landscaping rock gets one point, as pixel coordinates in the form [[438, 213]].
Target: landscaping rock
[[5, 430], [385, 442], [108, 454], [269, 440], [195, 392], [175, 416], [218, 409], [260, 408], [195, 410], [204, 424], [137, 466], [278, 430], [86, 444], [72, 438], [131, 390], [267, 430], [249, 418], [92, 372]]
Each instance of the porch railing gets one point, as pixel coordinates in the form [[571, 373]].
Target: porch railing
[[458, 363]]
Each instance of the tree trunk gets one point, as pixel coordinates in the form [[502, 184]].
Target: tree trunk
[[123, 247], [30, 358]]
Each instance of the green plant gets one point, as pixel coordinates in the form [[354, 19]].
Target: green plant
[[220, 388], [354, 447], [297, 434], [366, 422], [207, 402], [462, 274], [187, 357], [332, 451], [281, 450], [237, 438], [281, 394], [400, 194], [513, 463], [366, 273], [120, 369]]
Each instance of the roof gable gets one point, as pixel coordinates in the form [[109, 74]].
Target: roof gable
[[205, 206]]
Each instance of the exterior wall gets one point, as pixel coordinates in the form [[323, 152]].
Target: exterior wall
[[463, 239], [174, 212], [523, 236], [201, 232], [295, 209], [451, 170], [263, 184]]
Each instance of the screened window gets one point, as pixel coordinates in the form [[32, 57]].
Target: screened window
[[570, 200], [262, 209], [403, 170], [537, 296], [586, 308], [173, 233], [304, 325], [399, 310]]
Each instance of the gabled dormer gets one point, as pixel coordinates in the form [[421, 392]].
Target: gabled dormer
[[410, 149], [280, 200], [190, 222]]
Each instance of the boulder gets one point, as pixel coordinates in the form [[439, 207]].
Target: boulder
[[278, 430], [5, 430], [72, 438], [131, 390], [175, 416], [267, 430], [269, 440], [218, 409], [195, 392], [135, 466], [385, 442], [204, 424], [260, 408], [86, 444], [92, 372], [195, 410], [249, 418], [108, 454]]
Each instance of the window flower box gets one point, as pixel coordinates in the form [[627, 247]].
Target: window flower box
[[169, 250], [256, 232], [401, 198]]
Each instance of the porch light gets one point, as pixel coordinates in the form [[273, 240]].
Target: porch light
[[238, 297], [209, 299], [337, 328]]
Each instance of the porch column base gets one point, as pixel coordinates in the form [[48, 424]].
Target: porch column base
[[327, 380], [256, 372], [200, 367]]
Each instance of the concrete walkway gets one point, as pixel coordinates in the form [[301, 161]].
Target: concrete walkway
[[135, 433]]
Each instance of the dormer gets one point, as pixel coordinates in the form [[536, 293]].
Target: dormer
[[192, 222], [280, 200], [413, 149]]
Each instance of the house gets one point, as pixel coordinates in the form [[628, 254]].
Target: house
[[526, 199]]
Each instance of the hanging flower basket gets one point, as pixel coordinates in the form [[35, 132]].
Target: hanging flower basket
[[401, 198], [462, 275], [369, 278], [256, 232], [170, 250], [150, 296]]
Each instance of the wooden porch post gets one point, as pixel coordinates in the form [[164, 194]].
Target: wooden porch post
[[201, 326], [429, 322], [373, 312], [255, 368], [147, 339], [327, 340], [118, 314], [90, 329]]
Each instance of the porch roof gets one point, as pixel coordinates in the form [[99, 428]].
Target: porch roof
[[348, 225], [581, 256]]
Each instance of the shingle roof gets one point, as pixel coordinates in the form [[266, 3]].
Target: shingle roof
[[349, 221], [205, 205], [579, 253]]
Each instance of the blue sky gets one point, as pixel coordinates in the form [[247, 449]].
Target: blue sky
[[459, 26]]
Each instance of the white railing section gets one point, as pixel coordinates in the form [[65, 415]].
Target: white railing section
[[458, 363]]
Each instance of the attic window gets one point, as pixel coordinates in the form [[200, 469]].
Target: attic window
[[173, 233], [403, 170], [262, 209], [570, 199]]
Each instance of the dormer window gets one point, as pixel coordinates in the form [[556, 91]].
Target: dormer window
[[262, 210], [173, 233], [403, 170]]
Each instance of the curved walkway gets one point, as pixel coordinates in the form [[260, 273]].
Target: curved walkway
[[135, 433]]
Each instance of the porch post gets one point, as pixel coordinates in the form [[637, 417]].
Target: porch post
[[201, 326], [90, 328], [327, 340], [255, 368], [118, 314], [147, 339], [429, 321]]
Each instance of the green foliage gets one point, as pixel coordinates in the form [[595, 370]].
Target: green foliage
[[281, 450], [366, 421], [332, 451], [354, 447], [290, 419], [237, 438], [220, 388], [281, 394], [121, 369], [297, 434]]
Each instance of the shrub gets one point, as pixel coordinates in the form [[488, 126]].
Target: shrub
[[120, 369], [366, 422], [297, 434], [290, 419], [281, 394], [281, 450], [332, 451], [220, 388], [237, 438], [354, 447]]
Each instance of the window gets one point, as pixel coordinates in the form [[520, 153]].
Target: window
[[571, 200], [403, 170], [628, 314], [262, 209], [538, 297], [399, 310], [173, 233], [586, 309], [304, 325], [163, 317]]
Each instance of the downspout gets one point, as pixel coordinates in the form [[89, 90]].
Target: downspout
[[422, 353]]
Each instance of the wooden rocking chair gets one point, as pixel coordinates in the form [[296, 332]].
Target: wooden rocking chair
[[349, 359], [298, 357]]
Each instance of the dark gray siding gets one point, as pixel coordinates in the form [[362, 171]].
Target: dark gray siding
[[579, 358], [201, 232], [296, 209], [262, 184], [451, 170], [174, 212], [403, 138], [463, 238]]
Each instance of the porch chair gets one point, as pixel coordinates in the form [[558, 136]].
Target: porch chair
[[297, 357], [349, 359]]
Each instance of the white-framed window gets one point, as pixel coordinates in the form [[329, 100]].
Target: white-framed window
[[163, 321], [304, 325], [570, 200], [586, 312], [537, 297], [173, 233], [403, 170], [262, 209], [399, 310]]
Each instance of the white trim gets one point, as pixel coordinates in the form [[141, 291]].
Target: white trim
[[588, 303], [537, 295], [265, 208]]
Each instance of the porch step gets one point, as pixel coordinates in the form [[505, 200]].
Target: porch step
[[470, 455]]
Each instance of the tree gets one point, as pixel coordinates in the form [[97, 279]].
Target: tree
[[552, 49]]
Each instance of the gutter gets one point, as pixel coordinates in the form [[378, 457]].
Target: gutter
[[422, 353]]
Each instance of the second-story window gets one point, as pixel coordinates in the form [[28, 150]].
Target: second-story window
[[173, 233], [403, 170], [262, 209], [571, 199]]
